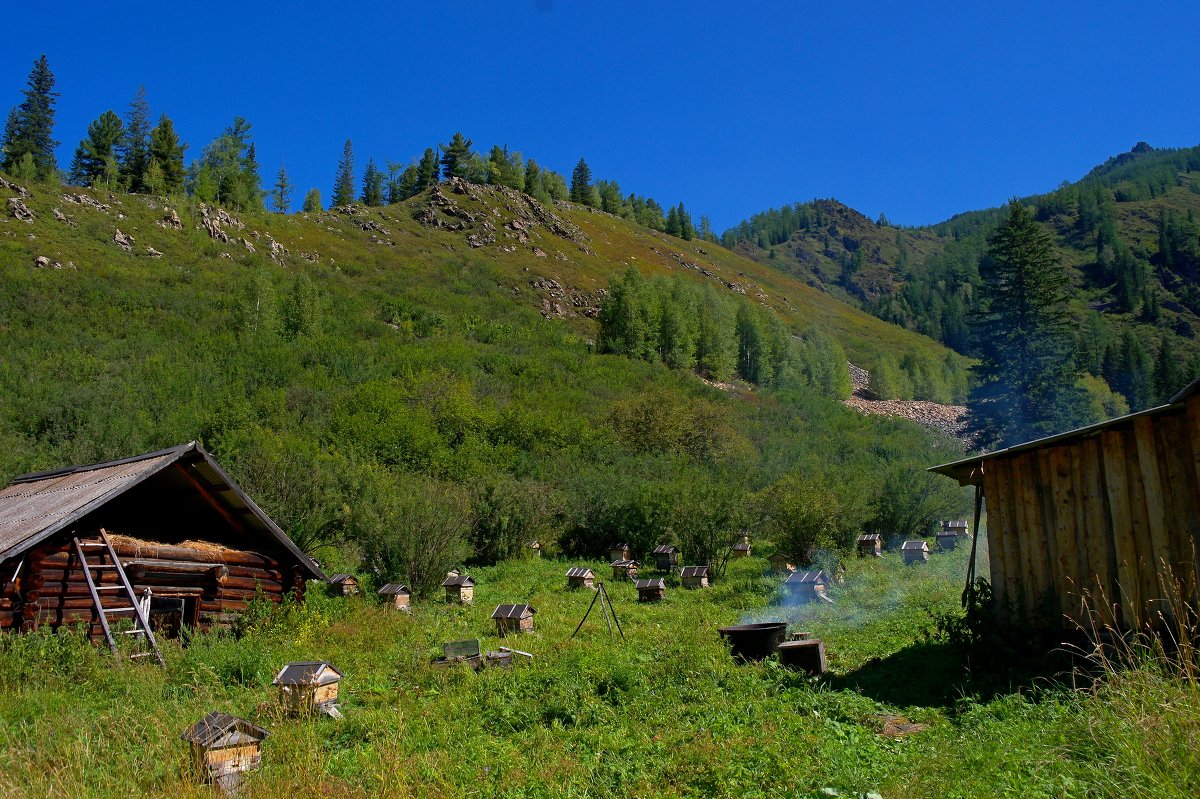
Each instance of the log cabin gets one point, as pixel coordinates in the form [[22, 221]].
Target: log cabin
[[1106, 517], [180, 527]]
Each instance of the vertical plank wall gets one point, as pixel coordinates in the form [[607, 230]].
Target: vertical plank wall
[[1107, 522]]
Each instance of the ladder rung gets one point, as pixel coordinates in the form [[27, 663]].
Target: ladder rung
[[131, 632], [141, 655], [110, 588], [101, 565], [92, 544], [120, 610]]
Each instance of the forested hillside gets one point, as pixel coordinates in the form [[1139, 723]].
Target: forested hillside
[[417, 384], [1126, 232]]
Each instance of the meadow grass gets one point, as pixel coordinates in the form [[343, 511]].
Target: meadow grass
[[663, 712]]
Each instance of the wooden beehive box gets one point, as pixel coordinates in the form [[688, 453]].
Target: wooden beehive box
[[870, 545], [958, 527], [618, 552], [694, 576], [581, 577], [308, 687], [343, 584], [915, 552], [666, 557], [741, 550], [513, 619], [534, 548], [806, 586], [947, 539], [651, 590], [781, 564], [397, 595], [224, 748], [459, 588], [624, 569]]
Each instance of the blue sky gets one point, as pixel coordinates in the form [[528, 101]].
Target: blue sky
[[918, 110]]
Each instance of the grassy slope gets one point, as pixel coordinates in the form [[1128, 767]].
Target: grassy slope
[[665, 712]]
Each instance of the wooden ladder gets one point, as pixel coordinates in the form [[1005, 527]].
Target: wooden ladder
[[103, 548]]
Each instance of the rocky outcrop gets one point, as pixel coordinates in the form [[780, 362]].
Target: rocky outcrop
[[170, 220], [21, 191], [560, 301], [153, 253], [76, 198], [19, 210], [123, 240], [216, 220]]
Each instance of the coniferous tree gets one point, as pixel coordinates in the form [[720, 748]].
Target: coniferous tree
[[456, 158], [281, 194], [343, 182], [96, 156], [1025, 385], [30, 128], [581, 184], [427, 170], [372, 187], [312, 201], [673, 227], [1169, 376], [406, 185], [166, 153], [687, 231], [135, 151]]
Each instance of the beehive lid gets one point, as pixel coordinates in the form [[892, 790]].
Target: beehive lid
[[868, 538], [915, 545], [315, 672], [645, 585], [580, 571], [222, 729], [512, 612], [812, 577], [624, 564], [394, 589], [339, 579], [461, 580], [665, 549], [694, 571]]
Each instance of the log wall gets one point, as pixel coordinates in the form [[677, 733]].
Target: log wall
[[52, 590], [1106, 522]]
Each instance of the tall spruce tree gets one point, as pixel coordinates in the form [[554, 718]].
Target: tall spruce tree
[[281, 193], [30, 128], [372, 186], [1026, 382], [135, 150], [343, 182], [581, 183], [95, 159], [456, 157], [166, 157], [427, 170]]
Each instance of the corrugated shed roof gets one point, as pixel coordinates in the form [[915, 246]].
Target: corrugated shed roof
[[216, 725], [36, 506], [313, 672], [694, 571], [453, 580], [654, 582], [512, 611], [580, 571], [392, 589]]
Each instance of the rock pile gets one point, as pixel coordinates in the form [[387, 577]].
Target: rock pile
[[84, 199], [561, 301], [215, 220], [123, 240], [20, 190], [170, 220], [19, 210]]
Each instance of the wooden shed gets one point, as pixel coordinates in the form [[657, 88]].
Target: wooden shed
[[666, 557], [618, 552], [459, 588], [398, 595], [309, 687], [343, 584], [781, 564], [513, 619], [179, 527], [870, 545], [806, 586], [581, 577], [1112, 510], [694, 576], [915, 551], [624, 569], [651, 590], [224, 749]]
